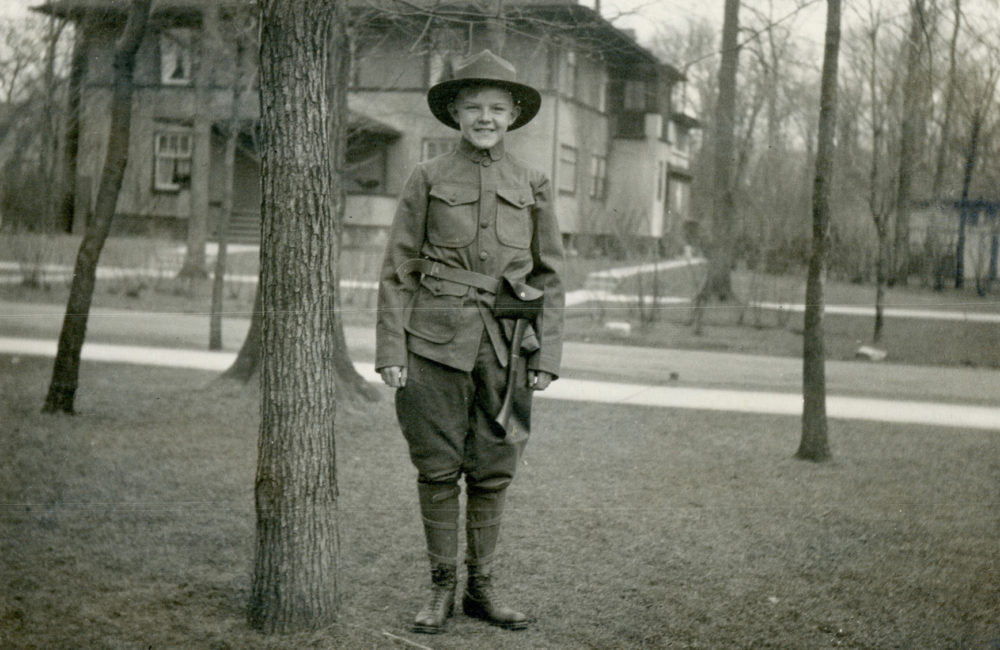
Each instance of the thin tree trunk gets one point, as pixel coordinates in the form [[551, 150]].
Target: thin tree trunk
[[911, 144], [880, 259], [815, 444], [226, 212], [78, 67], [949, 102], [49, 158], [222, 242], [350, 384], [963, 215], [66, 370], [718, 282], [295, 571]]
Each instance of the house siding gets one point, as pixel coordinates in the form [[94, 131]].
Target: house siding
[[583, 109]]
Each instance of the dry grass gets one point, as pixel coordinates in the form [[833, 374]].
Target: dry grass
[[131, 525]]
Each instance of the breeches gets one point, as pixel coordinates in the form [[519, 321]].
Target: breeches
[[447, 417]]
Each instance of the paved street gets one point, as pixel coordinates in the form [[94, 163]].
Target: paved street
[[958, 397]]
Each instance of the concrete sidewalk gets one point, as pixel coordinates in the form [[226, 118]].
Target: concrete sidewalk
[[956, 416]]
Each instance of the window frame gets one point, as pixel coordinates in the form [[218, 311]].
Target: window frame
[[176, 157], [598, 177], [177, 45], [567, 181]]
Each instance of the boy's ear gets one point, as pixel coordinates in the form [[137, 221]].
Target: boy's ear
[[452, 111], [515, 112]]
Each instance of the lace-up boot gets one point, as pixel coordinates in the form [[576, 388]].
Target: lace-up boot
[[440, 603], [479, 601]]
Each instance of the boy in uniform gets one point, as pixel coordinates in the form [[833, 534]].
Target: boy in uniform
[[473, 255]]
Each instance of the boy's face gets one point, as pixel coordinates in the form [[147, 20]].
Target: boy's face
[[483, 114]]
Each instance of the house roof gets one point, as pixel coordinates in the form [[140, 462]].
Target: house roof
[[568, 16]]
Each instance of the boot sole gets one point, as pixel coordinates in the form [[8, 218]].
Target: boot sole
[[427, 629]]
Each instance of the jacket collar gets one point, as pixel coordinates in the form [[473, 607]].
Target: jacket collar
[[495, 152]]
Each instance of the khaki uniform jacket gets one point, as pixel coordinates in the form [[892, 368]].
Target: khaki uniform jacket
[[481, 211]]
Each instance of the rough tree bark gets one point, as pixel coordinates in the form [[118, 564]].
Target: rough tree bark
[[295, 570], [718, 283], [814, 444], [66, 370]]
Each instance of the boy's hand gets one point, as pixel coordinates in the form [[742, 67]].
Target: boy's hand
[[394, 376], [539, 379]]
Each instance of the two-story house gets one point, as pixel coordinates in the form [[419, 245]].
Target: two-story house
[[607, 133]]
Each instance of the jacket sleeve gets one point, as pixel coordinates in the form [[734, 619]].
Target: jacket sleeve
[[406, 238], [546, 274]]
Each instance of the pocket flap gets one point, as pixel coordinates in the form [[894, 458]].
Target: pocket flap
[[520, 197], [439, 287], [455, 194]]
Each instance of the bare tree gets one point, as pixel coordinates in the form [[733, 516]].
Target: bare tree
[[234, 44], [718, 281], [814, 444], [295, 571], [949, 103], [66, 370], [912, 136], [880, 198]]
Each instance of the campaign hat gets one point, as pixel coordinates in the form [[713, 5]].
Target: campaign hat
[[484, 69]]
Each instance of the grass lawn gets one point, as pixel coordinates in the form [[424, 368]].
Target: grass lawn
[[131, 525]]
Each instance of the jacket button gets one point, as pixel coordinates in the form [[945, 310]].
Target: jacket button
[[484, 224], [486, 162], [483, 255]]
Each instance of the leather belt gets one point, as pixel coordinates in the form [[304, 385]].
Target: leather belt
[[441, 271]]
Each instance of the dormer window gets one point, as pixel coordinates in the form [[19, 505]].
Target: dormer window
[[175, 57]]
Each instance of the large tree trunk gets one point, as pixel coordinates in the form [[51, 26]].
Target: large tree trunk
[[719, 249], [295, 572], [814, 444], [66, 370]]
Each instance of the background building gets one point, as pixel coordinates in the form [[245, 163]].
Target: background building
[[607, 133]]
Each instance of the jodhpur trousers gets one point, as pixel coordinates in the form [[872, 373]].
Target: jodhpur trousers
[[447, 417]]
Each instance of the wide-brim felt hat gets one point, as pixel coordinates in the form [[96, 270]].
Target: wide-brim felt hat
[[484, 69]]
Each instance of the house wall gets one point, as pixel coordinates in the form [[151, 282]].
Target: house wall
[[160, 108], [390, 78]]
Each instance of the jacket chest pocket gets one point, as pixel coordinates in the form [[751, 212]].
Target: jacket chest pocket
[[452, 215], [514, 216]]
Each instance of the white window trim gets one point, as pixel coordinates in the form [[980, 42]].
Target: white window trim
[[161, 157]]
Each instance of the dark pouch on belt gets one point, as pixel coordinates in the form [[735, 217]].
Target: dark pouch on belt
[[517, 300]]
